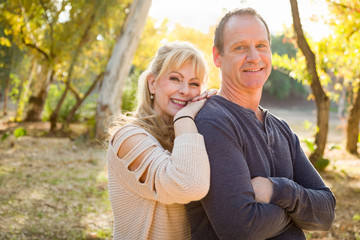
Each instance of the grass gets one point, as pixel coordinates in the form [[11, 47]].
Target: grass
[[53, 189]]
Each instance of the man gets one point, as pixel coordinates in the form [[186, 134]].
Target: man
[[262, 184]]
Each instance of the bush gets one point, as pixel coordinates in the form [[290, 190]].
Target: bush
[[129, 95], [281, 85]]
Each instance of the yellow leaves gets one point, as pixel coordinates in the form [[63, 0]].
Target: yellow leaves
[[155, 34], [5, 42], [338, 87]]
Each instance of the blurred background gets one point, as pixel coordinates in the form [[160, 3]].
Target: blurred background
[[66, 66]]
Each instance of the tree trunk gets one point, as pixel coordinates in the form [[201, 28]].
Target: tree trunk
[[79, 101], [24, 95], [353, 126], [118, 67], [39, 88], [6, 93], [321, 99]]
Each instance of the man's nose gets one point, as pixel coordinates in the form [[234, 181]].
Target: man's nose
[[253, 55]]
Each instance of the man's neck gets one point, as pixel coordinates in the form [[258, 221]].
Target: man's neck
[[248, 99]]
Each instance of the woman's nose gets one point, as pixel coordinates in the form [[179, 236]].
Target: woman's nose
[[184, 88]]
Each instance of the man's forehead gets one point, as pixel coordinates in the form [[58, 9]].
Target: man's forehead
[[245, 26]]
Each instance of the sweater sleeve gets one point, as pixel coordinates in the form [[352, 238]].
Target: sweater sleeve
[[230, 204], [178, 177], [306, 199]]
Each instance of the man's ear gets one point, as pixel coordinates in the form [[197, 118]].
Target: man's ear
[[216, 57], [151, 83]]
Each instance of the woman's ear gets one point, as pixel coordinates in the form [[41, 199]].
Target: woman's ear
[[151, 83], [216, 57]]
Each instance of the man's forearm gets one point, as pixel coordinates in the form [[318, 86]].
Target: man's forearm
[[310, 209]]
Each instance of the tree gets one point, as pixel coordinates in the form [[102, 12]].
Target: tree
[[50, 31], [118, 67], [347, 25], [82, 41], [321, 99], [5, 67]]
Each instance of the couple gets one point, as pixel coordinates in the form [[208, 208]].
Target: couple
[[239, 173]]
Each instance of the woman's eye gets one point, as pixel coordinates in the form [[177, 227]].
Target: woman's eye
[[195, 84], [174, 79]]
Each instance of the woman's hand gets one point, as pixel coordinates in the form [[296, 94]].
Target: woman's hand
[[191, 109], [206, 94]]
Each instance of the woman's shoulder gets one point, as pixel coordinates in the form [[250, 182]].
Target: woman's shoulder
[[128, 130]]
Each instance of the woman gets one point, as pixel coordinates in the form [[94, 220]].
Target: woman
[[156, 159]]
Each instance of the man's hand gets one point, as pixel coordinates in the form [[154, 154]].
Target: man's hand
[[263, 189]]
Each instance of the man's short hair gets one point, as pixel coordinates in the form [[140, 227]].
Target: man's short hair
[[219, 31]]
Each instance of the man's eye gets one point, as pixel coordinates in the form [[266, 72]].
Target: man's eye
[[261, 45], [240, 48]]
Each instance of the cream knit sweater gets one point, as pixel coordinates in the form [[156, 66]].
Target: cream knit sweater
[[153, 209]]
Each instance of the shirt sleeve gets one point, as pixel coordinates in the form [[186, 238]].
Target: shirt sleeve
[[230, 203], [178, 177], [306, 199]]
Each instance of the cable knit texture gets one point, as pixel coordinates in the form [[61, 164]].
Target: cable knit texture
[[153, 209]]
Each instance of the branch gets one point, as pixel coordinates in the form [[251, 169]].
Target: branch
[[75, 92], [344, 6], [63, 5], [51, 27], [33, 46], [71, 114]]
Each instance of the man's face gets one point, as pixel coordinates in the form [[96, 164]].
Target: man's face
[[246, 60]]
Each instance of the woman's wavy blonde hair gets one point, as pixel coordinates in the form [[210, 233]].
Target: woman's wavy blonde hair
[[169, 57]]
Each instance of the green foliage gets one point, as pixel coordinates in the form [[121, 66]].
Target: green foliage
[[281, 85], [16, 87], [19, 132], [321, 164], [86, 111], [54, 94], [5, 136], [356, 217], [283, 80], [333, 146], [278, 84], [130, 91], [282, 45], [51, 32], [104, 233], [5, 57], [310, 144]]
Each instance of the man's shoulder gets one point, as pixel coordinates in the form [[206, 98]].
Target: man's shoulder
[[213, 108]]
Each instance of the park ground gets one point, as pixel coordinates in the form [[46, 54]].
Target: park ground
[[54, 187]]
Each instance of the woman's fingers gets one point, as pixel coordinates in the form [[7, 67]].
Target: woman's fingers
[[212, 92], [205, 94]]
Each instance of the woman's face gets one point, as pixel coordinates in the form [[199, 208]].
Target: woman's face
[[173, 90]]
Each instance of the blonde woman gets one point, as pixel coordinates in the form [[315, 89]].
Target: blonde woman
[[157, 160]]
